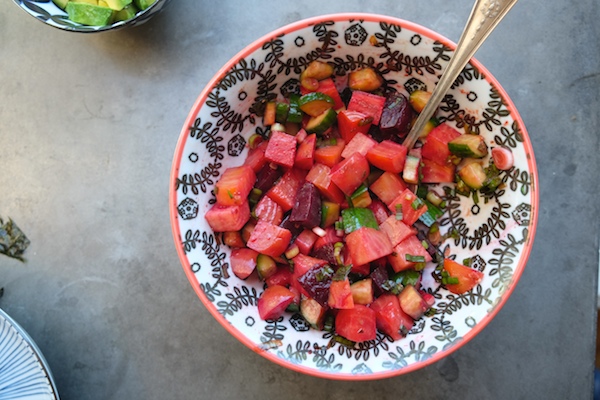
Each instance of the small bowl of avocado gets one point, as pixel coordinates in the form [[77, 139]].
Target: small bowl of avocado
[[92, 15]]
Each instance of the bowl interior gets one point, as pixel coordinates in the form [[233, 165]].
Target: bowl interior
[[496, 234], [49, 13]]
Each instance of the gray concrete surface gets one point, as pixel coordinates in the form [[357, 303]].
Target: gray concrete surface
[[88, 126]]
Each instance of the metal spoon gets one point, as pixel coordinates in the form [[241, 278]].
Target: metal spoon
[[485, 15]]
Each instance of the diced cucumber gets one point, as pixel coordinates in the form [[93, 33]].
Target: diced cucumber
[[473, 146], [418, 99], [315, 103], [355, 218], [322, 122], [294, 114], [472, 174], [89, 14], [362, 291], [313, 312], [411, 169], [281, 112], [265, 266], [330, 213], [431, 215]]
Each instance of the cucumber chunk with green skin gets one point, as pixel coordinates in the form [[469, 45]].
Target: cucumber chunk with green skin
[[89, 14], [322, 122], [356, 218], [265, 266], [315, 103], [472, 174], [294, 113], [473, 146], [281, 112], [143, 4]]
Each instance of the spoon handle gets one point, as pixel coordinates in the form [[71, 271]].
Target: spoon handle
[[485, 15]]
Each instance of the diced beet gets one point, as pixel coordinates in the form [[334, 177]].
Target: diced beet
[[350, 123], [360, 143], [235, 184], [367, 103], [243, 262], [396, 116], [380, 210], [269, 239], [368, 244], [267, 176], [325, 252], [305, 241], [357, 324], [316, 283], [396, 230], [273, 302], [307, 208], [350, 173], [380, 277], [268, 210], [284, 191], [340, 295]]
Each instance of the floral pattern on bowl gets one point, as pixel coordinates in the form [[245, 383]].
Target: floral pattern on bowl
[[497, 234]]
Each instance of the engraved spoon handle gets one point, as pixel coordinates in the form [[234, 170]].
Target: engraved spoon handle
[[485, 15]]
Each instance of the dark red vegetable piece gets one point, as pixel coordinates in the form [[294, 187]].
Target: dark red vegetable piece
[[307, 208], [267, 176], [316, 282], [380, 277], [396, 116]]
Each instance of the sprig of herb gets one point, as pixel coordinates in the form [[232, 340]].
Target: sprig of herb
[[13, 241]]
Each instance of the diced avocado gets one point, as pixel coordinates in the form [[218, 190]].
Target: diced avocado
[[92, 2], [118, 5], [143, 4], [472, 174], [468, 146], [88, 14], [61, 3], [126, 13], [322, 122]]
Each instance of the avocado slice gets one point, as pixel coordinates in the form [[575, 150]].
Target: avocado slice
[[89, 14], [118, 5], [143, 4], [126, 13]]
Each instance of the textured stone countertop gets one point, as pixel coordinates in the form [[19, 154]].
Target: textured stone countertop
[[88, 127]]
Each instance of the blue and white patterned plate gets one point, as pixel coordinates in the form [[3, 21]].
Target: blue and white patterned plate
[[24, 373], [497, 234]]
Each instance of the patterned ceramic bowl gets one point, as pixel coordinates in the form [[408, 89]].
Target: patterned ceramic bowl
[[49, 13], [497, 235]]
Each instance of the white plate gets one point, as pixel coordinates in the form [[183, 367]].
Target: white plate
[[24, 373]]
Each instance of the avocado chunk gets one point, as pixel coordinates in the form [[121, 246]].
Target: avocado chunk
[[126, 13], [89, 14], [143, 4], [62, 4], [118, 5]]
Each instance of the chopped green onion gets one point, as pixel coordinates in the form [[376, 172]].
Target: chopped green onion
[[342, 272], [324, 273], [412, 258], [451, 280], [467, 262], [417, 203], [399, 215], [420, 266], [254, 140], [254, 196]]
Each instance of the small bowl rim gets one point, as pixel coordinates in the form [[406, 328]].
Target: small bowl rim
[[183, 136], [106, 28]]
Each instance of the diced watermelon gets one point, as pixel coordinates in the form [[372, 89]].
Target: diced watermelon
[[305, 155], [284, 191], [396, 230], [273, 302], [228, 218], [331, 154], [357, 324], [388, 156], [368, 244], [350, 173], [360, 143], [435, 147], [235, 184], [256, 157], [243, 262], [412, 246], [367, 103], [268, 210], [281, 149], [410, 205], [380, 210], [340, 296], [351, 123], [305, 241], [433, 172], [390, 318], [269, 239], [387, 187], [320, 176]]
